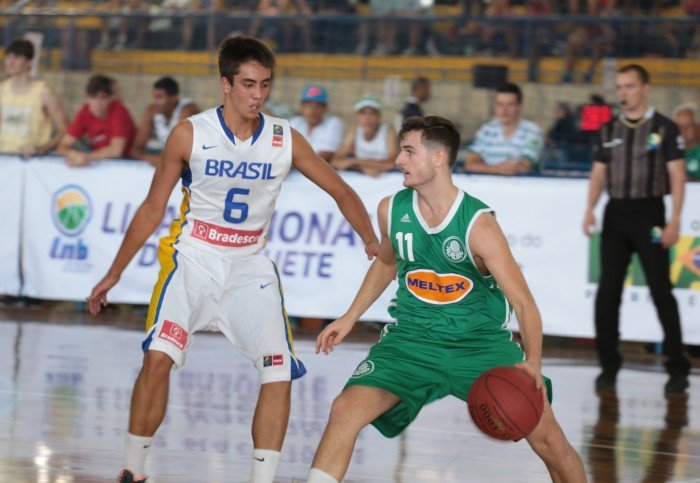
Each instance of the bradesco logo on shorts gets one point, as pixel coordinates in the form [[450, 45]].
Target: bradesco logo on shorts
[[223, 236], [174, 334], [438, 288]]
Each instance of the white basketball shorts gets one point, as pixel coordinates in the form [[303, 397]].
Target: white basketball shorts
[[238, 296]]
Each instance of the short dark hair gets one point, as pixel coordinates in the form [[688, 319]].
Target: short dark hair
[[641, 72], [99, 83], [510, 88], [419, 82], [434, 130], [238, 50], [168, 84], [21, 47]]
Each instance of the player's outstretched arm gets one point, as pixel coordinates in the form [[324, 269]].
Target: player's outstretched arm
[[490, 247], [150, 213], [320, 172], [380, 274]]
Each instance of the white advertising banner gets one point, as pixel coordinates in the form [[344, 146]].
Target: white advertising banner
[[75, 219], [320, 258], [322, 264], [11, 172]]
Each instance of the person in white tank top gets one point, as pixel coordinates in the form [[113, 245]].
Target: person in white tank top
[[231, 160], [159, 118], [371, 146]]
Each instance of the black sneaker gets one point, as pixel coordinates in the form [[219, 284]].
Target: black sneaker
[[676, 384], [127, 476], [606, 380]]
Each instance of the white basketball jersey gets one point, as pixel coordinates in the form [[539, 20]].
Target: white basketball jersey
[[231, 186]]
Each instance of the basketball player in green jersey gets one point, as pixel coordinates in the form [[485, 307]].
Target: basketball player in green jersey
[[458, 284]]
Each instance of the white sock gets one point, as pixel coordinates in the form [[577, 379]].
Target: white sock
[[264, 465], [318, 476], [135, 452]]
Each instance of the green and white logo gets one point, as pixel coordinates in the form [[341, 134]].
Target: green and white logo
[[71, 209], [453, 248], [365, 367]]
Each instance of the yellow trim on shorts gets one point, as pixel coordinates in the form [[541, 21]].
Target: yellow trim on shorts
[[290, 337], [167, 259]]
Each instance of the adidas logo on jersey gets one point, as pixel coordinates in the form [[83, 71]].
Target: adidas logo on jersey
[[405, 218]]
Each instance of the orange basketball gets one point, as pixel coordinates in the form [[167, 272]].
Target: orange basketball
[[505, 403]]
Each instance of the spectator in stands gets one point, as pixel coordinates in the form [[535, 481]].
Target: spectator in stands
[[208, 27], [420, 94], [32, 118], [371, 145], [506, 144], [335, 30], [164, 112], [271, 8], [124, 24], [387, 29], [564, 128], [536, 41], [563, 132], [653, 39], [104, 121], [189, 21], [593, 39], [324, 132], [687, 117], [497, 36]]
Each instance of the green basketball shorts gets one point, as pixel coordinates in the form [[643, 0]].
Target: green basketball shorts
[[420, 371]]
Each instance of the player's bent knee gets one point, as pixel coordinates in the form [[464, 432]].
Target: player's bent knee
[[551, 444], [343, 412], [340, 407], [157, 364], [548, 438]]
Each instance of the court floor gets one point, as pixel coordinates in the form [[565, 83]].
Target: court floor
[[64, 402]]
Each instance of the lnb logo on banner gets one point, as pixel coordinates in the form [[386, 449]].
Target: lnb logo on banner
[[684, 258], [71, 210]]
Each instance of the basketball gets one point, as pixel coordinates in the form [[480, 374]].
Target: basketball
[[505, 404]]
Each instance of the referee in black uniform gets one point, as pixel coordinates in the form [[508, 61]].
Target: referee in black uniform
[[640, 159]]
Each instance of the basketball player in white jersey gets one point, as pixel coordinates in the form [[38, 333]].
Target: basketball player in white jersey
[[159, 118], [231, 160]]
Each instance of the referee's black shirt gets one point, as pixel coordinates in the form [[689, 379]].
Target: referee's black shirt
[[636, 153]]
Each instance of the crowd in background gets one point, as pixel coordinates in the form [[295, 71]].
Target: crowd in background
[[33, 121], [570, 29]]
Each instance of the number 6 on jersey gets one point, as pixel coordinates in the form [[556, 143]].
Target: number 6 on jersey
[[235, 205]]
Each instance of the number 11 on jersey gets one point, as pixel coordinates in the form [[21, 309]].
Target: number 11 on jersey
[[400, 237]]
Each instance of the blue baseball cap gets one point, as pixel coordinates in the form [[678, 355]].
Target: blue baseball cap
[[314, 93]]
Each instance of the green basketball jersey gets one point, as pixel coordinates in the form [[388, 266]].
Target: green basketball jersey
[[442, 295]]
